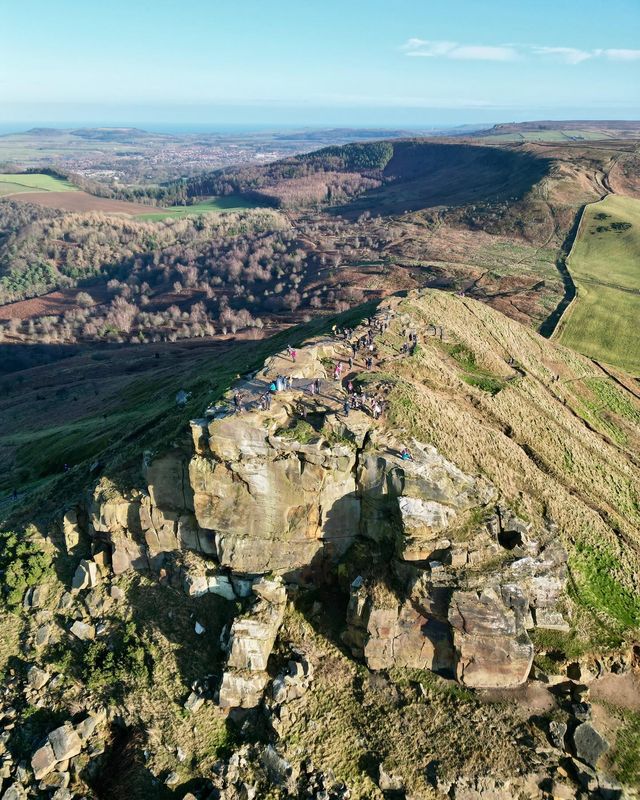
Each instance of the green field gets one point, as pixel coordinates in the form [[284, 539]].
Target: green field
[[560, 135], [211, 205], [602, 322], [33, 182]]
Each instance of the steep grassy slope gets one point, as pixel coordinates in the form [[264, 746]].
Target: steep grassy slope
[[555, 432]]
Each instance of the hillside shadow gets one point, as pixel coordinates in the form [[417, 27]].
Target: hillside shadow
[[424, 174]]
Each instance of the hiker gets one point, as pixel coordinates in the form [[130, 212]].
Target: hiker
[[369, 362], [377, 410], [316, 383], [350, 362], [312, 388], [350, 387], [405, 455], [294, 353], [237, 401], [345, 406], [354, 349], [273, 387], [279, 383]]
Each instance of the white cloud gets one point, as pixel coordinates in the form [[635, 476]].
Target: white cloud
[[432, 48], [570, 55], [621, 55], [425, 48]]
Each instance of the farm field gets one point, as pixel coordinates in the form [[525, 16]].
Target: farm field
[[211, 205], [602, 321], [12, 183], [81, 202], [550, 136]]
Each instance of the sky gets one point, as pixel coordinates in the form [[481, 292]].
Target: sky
[[392, 63]]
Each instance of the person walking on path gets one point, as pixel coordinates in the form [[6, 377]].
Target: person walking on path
[[317, 385], [345, 406]]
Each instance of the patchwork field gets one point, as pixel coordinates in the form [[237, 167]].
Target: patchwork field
[[82, 201], [602, 321], [11, 183]]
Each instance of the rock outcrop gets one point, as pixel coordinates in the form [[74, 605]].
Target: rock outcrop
[[288, 487]]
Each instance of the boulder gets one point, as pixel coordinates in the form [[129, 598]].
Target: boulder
[[492, 647], [86, 575], [200, 585], [71, 530], [557, 732], [242, 689], [39, 595], [65, 742], [86, 728], [588, 744], [37, 678], [15, 792], [43, 761], [193, 703], [83, 630]]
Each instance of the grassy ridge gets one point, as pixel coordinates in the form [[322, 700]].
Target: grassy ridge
[[12, 183], [605, 265]]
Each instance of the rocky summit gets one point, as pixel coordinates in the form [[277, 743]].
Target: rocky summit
[[392, 561]]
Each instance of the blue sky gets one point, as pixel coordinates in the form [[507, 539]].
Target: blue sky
[[384, 62]]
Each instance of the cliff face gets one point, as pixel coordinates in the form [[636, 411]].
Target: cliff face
[[466, 559]]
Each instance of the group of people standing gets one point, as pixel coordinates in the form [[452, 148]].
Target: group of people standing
[[360, 401], [355, 400]]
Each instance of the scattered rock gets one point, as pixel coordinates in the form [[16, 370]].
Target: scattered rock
[[557, 731], [194, 702], [71, 530], [37, 678], [116, 593], [65, 742], [389, 782], [86, 575], [43, 761], [83, 630]]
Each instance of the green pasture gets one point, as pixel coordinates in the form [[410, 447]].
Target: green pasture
[[12, 183], [211, 205], [602, 322]]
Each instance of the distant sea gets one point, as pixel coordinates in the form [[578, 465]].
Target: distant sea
[[180, 127]]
